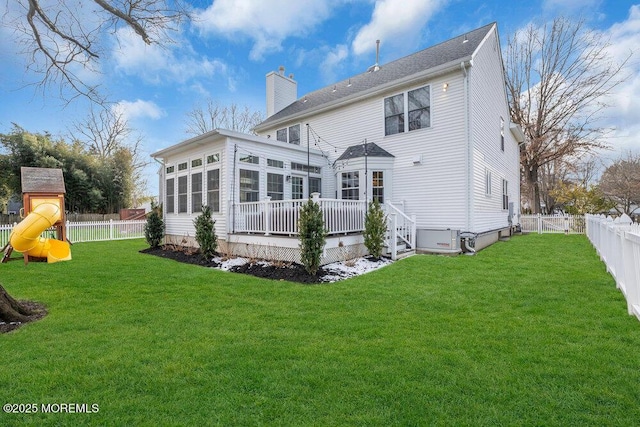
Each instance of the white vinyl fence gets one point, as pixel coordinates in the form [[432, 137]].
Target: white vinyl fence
[[91, 231], [566, 224], [618, 244]]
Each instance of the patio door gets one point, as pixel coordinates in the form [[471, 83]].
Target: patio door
[[298, 187]]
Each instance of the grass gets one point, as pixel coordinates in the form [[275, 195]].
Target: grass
[[527, 332]]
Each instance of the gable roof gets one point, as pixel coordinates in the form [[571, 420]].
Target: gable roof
[[356, 151], [450, 52]]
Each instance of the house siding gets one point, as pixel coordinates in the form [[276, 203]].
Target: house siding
[[418, 187], [488, 107], [180, 226]]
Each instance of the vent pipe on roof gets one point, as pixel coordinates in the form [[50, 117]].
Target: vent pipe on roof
[[375, 67]]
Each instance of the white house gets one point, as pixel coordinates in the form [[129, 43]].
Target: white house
[[427, 135]]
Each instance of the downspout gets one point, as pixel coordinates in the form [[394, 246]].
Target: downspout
[[467, 125], [233, 191], [468, 238]]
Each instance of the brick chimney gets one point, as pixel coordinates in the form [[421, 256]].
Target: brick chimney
[[281, 91]]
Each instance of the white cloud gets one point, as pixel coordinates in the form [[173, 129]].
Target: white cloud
[[624, 115], [266, 22], [158, 65], [395, 22], [332, 61], [139, 109]]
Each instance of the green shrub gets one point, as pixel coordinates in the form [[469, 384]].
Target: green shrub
[[312, 236], [206, 233], [154, 228], [375, 228]]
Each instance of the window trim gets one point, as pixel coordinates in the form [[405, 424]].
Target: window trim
[[404, 115]]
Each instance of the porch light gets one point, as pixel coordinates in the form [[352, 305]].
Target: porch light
[[445, 86]]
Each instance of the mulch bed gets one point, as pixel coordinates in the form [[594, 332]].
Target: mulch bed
[[290, 271]]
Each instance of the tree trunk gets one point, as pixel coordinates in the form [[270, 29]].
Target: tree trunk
[[532, 180], [11, 310]]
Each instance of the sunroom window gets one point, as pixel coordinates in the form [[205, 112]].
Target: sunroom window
[[249, 185], [182, 194], [213, 189], [171, 195], [196, 192]]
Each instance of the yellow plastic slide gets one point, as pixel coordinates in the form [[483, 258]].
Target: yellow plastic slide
[[26, 238]]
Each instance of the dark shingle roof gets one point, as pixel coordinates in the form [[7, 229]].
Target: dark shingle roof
[[356, 151], [451, 50]]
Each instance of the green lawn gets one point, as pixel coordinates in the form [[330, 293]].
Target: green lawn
[[527, 332]]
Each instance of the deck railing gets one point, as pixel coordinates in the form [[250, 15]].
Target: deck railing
[[90, 231], [618, 244], [281, 216]]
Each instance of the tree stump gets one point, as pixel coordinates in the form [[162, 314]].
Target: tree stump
[[18, 312]]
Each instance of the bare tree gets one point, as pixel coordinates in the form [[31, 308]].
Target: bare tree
[[102, 133], [214, 116], [620, 183], [66, 38], [107, 135], [558, 78]]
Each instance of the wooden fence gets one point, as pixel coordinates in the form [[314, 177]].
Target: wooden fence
[[90, 231], [618, 244], [565, 224]]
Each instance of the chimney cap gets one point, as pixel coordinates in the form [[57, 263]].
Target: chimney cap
[[281, 69]]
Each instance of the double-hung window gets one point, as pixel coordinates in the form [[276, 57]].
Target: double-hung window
[[351, 185], [394, 114], [418, 105], [377, 186], [419, 108], [505, 194], [290, 134]]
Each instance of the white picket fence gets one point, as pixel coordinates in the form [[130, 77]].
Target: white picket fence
[[565, 224], [618, 244], [89, 231]]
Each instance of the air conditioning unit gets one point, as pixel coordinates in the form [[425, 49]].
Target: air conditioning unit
[[438, 241]]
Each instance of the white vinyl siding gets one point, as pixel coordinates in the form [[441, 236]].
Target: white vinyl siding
[[494, 146]]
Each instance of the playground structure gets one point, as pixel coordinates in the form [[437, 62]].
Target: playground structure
[[43, 193]]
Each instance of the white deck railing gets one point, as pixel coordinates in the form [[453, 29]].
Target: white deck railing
[[404, 227], [281, 216], [567, 224], [91, 231], [618, 244]]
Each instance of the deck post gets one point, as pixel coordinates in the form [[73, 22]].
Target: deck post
[[393, 244], [266, 208]]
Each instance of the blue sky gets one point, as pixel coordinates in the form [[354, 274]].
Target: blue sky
[[225, 54]]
